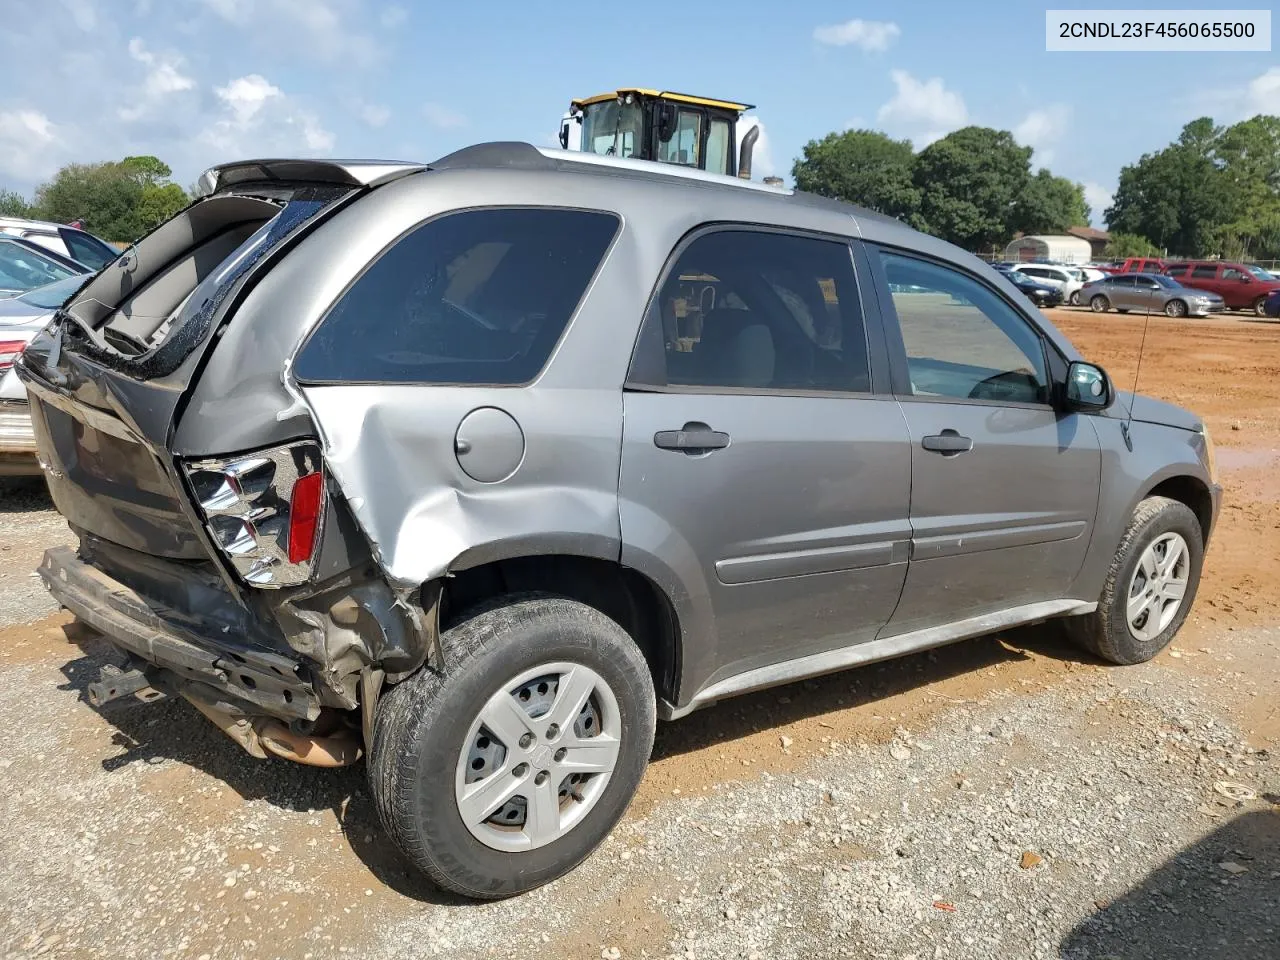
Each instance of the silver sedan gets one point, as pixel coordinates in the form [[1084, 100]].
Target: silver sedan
[[1149, 292]]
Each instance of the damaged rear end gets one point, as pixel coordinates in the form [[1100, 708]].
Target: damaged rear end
[[215, 549]]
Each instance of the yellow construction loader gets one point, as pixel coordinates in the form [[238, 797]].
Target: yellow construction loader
[[665, 127]]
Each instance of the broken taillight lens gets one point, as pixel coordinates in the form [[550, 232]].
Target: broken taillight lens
[[304, 516], [9, 352], [264, 511]]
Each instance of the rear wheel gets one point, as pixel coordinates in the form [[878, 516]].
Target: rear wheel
[[1075, 298], [1150, 586], [1175, 308], [1099, 304], [507, 770]]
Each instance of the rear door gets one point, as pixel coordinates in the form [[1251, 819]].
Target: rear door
[[764, 461], [1004, 488], [1204, 276]]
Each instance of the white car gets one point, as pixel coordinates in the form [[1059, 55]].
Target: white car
[[1068, 279], [63, 240], [21, 318]]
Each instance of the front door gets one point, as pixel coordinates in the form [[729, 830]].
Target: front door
[[760, 470], [1004, 488]]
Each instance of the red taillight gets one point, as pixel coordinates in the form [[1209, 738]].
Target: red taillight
[[304, 516], [9, 351]]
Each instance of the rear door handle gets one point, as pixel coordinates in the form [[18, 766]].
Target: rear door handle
[[692, 438], [948, 443]]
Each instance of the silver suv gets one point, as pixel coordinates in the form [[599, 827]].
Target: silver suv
[[480, 467]]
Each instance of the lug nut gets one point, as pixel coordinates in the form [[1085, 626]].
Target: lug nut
[[542, 777], [526, 741], [520, 769], [553, 731], [560, 754]]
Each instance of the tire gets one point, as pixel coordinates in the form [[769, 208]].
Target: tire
[[1075, 298], [1260, 306], [1099, 304], [1107, 632], [1175, 308], [426, 725]]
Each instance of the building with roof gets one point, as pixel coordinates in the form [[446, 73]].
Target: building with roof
[[1063, 249]]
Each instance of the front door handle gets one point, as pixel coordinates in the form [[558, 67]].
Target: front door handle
[[692, 438], [948, 443]]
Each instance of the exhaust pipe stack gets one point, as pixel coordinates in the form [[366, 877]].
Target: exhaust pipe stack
[[744, 152]]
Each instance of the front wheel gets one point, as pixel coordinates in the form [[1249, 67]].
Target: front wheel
[[506, 770], [1260, 307], [1099, 304], [1150, 586], [1075, 298], [1175, 308]]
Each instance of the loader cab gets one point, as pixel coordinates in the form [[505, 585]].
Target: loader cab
[[664, 127]]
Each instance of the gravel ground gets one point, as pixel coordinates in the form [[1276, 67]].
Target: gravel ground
[[1078, 820], [29, 526]]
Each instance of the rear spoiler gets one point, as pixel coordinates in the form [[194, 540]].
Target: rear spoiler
[[346, 173]]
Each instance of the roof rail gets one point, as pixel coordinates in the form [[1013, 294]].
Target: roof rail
[[655, 169]]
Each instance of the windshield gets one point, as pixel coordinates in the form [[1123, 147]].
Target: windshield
[[1164, 281], [53, 295], [1258, 272], [613, 129]]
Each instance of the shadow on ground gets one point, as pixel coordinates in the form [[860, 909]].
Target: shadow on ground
[[172, 729], [1194, 907], [857, 687], [24, 495]]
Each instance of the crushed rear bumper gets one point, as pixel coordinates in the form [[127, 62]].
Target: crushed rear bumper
[[275, 684]]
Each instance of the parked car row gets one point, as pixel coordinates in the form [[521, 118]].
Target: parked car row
[[1183, 288], [41, 265]]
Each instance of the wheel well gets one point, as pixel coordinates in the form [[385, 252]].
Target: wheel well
[[624, 595], [1193, 493]]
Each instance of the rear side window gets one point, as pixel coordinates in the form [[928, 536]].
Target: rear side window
[[480, 296], [1205, 272]]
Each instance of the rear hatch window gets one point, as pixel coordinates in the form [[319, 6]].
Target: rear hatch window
[[147, 312]]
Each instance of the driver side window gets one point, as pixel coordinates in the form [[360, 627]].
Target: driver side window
[[962, 341]]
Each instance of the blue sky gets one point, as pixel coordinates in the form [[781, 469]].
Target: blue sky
[[197, 82]]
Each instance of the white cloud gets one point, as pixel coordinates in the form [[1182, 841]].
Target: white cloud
[[393, 17], [443, 117], [256, 117], [26, 137], [1042, 128], [374, 114], [871, 36], [327, 30], [1263, 93], [83, 13], [924, 110], [1098, 198], [163, 77]]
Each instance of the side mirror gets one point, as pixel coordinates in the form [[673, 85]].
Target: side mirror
[[666, 122], [1246, 279], [1088, 387]]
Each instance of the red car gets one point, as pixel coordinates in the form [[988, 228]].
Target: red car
[[1242, 286], [1136, 265]]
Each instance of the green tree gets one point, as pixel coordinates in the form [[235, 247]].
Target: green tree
[[860, 166], [969, 183], [1124, 245], [1180, 196], [117, 201], [13, 204], [1050, 204], [1249, 155]]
